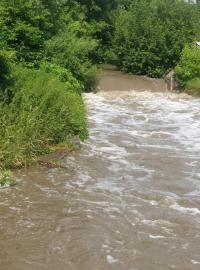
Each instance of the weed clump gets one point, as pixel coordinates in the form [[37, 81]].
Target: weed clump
[[6, 179]]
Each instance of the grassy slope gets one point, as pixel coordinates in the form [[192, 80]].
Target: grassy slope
[[43, 113]]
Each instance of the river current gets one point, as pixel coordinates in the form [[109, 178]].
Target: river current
[[129, 198]]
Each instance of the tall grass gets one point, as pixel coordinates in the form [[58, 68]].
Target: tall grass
[[42, 113]]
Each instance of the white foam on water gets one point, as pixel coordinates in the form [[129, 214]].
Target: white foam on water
[[177, 113], [185, 210], [108, 185], [195, 262], [110, 259], [154, 203], [156, 236]]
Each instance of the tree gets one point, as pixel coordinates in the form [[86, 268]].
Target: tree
[[150, 35]]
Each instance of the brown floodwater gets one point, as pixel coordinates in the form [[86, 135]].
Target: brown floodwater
[[129, 198]]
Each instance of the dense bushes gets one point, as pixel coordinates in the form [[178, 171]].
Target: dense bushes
[[189, 65], [150, 35], [21, 29], [45, 64], [4, 73], [42, 113], [193, 86], [57, 32], [188, 69], [6, 81], [71, 52]]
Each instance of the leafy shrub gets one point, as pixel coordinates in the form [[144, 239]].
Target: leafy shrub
[[4, 71], [6, 92], [90, 79], [189, 66], [6, 179], [194, 85], [73, 53], [64, 75], [20, 29]]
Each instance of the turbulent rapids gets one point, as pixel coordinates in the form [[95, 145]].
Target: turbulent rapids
[[130, 199]]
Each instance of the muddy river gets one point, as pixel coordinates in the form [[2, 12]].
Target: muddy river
[[129, 198]]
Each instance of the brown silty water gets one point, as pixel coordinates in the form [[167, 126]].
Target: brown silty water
[[129, 198]]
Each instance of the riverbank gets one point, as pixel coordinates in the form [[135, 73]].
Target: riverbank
[[44, 113], [130, 191]]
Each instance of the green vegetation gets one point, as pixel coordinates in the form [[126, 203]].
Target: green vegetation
[[188, 69], [150, 35], [45, 64], [193, 86], [42, 113], [49, 52], [6, 179]]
